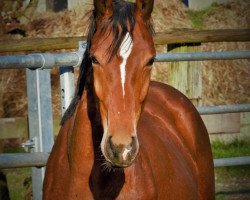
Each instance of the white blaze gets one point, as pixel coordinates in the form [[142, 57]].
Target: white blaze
[[125, 153], [126, 48]]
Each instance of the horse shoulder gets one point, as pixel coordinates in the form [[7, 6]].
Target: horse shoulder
[[179, 135], [175, 107], [57, 168], [80, 153], [69, 164]]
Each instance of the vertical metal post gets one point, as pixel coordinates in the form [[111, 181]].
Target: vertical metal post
[[67, 80], [67, 87], [40, 120]]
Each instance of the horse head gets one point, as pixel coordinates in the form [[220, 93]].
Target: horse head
[[122, 54]]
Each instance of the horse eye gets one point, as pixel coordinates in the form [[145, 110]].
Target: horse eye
[[150, 62], [94, 60]]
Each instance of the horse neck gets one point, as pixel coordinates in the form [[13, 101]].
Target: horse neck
[[93, 114]]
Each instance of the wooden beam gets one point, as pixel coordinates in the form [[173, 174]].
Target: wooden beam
[[167, 37], [202, 36], [222, 123], [11, 128], [39, 44]]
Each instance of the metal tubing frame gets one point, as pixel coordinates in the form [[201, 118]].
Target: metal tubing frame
[[67, 80], [233, 108], [44, 61], [67, 87], [19, 160], [74, 58], [12, 160], [234, 161], [40, 121], [200, 56]]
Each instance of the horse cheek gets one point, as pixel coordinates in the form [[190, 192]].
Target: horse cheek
[[98, 85], [144, 84]]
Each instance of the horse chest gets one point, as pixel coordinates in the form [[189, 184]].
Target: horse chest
[[134, 182], [139, 182]]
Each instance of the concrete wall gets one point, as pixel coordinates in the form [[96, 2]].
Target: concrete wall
[[200, 4]]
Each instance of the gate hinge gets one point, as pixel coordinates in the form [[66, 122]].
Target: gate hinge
[[30, 144]]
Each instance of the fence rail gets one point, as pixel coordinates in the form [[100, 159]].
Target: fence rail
[[199, 56], [225, 162], [167, 37], [43, 61], [233, 108], [39, 159], [37, 87], [19, 160], [70, 59]]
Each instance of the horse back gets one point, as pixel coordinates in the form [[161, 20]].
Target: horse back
[[174, 139]]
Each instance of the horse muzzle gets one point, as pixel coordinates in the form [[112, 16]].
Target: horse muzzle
[[121, 155]]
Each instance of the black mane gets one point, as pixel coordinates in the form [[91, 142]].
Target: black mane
[[122, 17]]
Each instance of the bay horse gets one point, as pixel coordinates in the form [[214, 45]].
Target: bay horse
[[123, 136]]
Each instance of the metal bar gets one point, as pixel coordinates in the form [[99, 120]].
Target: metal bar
[[19, 160], [40, 120], [67, 81], [67, 87], [40, 60], [72, 59], [13, 160], [199, 56], [224, 162], [235, 108]]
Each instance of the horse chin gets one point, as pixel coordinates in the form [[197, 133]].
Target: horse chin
[[121, 166], [116, 165]]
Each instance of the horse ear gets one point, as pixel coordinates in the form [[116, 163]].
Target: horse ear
[[145, 8], [102, 7]]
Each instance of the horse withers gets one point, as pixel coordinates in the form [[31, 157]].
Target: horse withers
[[124, 137]]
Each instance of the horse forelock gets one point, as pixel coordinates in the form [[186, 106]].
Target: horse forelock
[[121, 22]]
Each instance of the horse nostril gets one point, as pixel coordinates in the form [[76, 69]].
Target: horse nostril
[[111, 144], [120, 148], [110, 148], [114, 150], [121, 154]]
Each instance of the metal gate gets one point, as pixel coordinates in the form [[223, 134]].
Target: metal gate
[[40, 112]]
